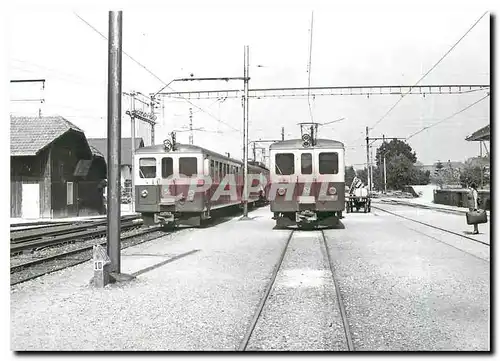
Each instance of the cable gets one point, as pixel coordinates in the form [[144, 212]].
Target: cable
[[449, 117], [432, 68], [153, 74], [123, 51], [61, 74]]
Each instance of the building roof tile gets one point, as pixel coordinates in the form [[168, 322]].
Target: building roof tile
[[29, 135]]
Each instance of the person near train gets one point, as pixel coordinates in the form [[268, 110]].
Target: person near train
[[473, 198]]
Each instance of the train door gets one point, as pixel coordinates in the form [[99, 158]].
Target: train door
[[306, 177], [147, 180], [329, 164]]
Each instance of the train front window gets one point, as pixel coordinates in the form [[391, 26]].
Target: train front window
[[328, 163], [147, 167], [306, 163], [285, 163], [188, 166], [167, 167]]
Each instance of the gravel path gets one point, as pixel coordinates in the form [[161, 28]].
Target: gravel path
[[405, 291], [203, 301], [402, 290]]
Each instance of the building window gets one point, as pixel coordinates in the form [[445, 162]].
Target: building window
[[285, 164], [147, 168], [69, 193], [328, 163], [306, 163], [188, 166], [167, 167]]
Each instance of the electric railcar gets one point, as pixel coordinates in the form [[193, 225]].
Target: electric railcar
[[180, 186], [307, 182]]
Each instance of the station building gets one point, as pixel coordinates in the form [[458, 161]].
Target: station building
[[101, 144], [54, 171]]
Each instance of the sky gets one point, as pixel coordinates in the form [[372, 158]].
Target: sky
[[368, 45]]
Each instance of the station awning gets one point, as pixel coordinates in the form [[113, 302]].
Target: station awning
[[482, 134]]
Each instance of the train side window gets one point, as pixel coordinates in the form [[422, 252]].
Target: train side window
[[328, 163], [147, 167], [167, 167], [285, 163], [188, 166], [306, 163], [221, 172], [212, 169]]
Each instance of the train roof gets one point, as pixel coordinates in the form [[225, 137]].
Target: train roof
[[297, 143], [189, 148]]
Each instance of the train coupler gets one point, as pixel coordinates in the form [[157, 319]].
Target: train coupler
[[306, 216], [164, 218]]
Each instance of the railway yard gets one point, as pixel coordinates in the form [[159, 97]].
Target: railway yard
[[399, 278]]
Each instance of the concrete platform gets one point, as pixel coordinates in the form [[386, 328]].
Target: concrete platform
[[423, 203], [405, 288], [202, 301], [28, 221], [455, 222]]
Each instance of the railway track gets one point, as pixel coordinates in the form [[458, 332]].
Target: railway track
[[55, 235], [269, 287], [35, 268], [432, 226]]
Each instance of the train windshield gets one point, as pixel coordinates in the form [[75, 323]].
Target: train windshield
[[328, 163], [147, 168], [188, 166], [167, 167], [306, 163], [285, 163]]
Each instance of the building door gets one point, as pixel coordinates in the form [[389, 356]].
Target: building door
[[30, 206]]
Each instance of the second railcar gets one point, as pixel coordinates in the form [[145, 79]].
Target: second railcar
[[184, 185]]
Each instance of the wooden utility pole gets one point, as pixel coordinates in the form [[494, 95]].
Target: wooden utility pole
[[114, 137]]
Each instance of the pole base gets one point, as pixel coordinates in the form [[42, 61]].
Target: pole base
[[120, 277], [246, 218]]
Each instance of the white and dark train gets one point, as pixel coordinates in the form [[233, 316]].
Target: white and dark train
[[307, 182], [164, 175]]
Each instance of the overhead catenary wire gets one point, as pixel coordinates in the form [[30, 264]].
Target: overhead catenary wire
[[447, 118], [427, 73], [154, 75]]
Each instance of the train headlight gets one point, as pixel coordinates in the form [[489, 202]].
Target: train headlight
[[306, 140], [144, 193], [281, 191], [167, 144], [332, 190]]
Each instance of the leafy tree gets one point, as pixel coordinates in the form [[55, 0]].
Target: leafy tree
[[394, 148], [419, 177], [378, 178], [363, 175], [399, 172], [472, 173], [400, 166], [439, 167], [350, 173]]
